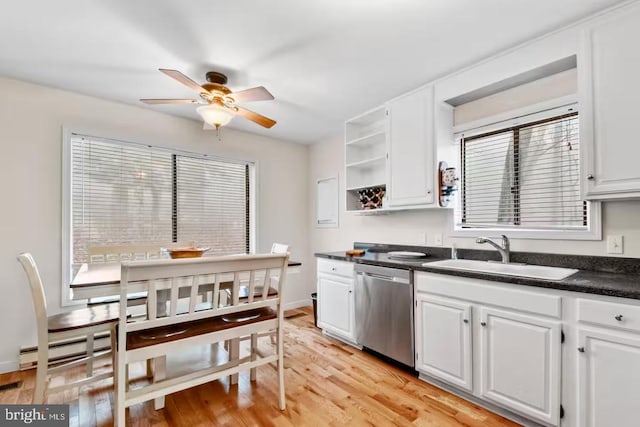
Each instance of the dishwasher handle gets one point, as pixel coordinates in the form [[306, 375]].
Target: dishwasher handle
[[381, 277]]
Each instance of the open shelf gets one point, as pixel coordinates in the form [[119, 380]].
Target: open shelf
[[367, 163], [365, 156], [362, 187], [376, 137]]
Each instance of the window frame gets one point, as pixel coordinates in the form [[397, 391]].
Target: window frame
[[67, 196], [518, 119]]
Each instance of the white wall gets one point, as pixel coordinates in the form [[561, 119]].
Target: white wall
[[409, 227], [31, 120]]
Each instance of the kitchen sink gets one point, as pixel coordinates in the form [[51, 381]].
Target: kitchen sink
[[522, 270]]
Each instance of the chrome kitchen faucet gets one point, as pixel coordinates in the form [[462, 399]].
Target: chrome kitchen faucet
[[504, 249]]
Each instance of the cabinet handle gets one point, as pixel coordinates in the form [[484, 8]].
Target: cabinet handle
[[465, 320], [590, 177], [619, 317], [350, 291], [428, 191], [333, 269], [483, 323], [581, 349]]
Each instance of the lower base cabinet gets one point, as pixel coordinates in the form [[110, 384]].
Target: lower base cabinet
[[519, 361], [609, 378], [443, 348], [502, 345], [336, 303]]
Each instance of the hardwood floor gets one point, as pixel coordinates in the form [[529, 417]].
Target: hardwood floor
[[327, 384]]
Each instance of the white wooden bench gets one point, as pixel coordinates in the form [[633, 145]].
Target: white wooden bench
[[188, 323]]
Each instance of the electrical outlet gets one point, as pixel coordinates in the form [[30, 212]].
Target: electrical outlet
[[437, 239], [615, 244]]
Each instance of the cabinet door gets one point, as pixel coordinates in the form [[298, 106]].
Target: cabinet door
[[335, 305], [520, 363], [609, 66], [443, 339], [609, 379], [411, 168]]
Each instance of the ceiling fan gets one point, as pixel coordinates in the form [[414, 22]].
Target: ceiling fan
[[218, 103]]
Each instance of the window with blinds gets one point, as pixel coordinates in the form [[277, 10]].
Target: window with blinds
[[526, 176], [126, 193]]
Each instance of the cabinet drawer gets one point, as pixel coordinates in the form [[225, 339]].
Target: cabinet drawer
[[340, 268], [609, 314]]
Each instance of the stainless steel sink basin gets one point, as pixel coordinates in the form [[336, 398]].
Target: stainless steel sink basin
[[522, 270]]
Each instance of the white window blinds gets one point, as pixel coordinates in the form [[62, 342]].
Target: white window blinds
[[125, 193], [213, 204], [524, 177]]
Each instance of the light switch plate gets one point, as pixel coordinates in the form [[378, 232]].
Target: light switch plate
[[437, 239], [615, 244]]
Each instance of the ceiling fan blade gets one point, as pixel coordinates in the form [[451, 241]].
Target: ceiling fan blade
[[255, 117], [169, 101], [254, 94], [177, 75]]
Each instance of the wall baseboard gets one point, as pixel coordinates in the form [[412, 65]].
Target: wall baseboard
[[63, 351], [297, 304]]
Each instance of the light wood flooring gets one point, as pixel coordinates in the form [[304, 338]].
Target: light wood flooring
[[327, 384]]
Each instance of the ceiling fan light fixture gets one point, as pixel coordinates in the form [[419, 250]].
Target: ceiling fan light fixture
[[215, 115]]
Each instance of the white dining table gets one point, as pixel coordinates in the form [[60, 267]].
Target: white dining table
[[103, 280], [96, 280]]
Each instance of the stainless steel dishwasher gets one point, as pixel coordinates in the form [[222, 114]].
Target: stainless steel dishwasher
[[384, 311]]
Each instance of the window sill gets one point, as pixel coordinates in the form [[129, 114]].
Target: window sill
[[593, 233]]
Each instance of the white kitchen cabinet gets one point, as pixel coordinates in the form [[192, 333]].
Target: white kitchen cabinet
[[519, 361], [508, 352], [609, 66], [411, 147], [609, 378], [443, 346], [336, 303], [608, 360]]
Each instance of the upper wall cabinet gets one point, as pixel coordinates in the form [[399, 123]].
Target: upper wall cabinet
[[391, 154], [411, 166], [609, 88]]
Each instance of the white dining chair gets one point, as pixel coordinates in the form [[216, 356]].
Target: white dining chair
[[118, 253], [131, 252], [84, 323]]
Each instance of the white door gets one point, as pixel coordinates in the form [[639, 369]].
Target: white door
[[443, 339], [336, 304], [520, 363], [609, 66], [411, 168], [609, 379]]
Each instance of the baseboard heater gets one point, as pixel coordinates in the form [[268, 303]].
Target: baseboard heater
[[63, 351]]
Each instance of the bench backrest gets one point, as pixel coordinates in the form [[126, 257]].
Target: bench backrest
[[174, 287]]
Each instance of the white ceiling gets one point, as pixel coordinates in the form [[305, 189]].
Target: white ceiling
[[324, 60]]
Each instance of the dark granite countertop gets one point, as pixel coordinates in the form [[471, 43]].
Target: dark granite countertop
[[623, 282]]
